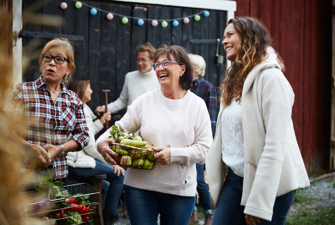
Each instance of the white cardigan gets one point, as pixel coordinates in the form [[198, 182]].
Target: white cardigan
[[273, 163], [85, 158]]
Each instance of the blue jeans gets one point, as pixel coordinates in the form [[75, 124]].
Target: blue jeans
[[229, 211], [204, 196], [143, 207], [111, 191]]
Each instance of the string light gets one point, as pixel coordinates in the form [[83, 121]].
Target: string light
[[140, 21]]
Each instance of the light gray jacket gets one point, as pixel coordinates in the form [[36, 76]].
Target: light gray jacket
[[273, 162]]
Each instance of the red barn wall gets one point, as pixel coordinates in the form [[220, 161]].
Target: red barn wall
[[301, 32]]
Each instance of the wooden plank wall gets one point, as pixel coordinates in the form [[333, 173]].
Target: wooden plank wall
[[108, 51], [301, 31]]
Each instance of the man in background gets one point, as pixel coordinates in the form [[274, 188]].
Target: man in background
[[136, 82]]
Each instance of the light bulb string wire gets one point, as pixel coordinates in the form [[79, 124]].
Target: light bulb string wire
[[133, 17]]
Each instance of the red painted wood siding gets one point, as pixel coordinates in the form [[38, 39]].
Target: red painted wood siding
[[301, 31]]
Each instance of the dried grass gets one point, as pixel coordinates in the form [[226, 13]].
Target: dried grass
[[13, 182]]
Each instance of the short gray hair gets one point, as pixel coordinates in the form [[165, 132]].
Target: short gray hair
[[199, 63]]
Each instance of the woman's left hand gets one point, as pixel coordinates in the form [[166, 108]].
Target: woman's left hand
[[163, 156], [118, 169], [251, 220], [52, 150]]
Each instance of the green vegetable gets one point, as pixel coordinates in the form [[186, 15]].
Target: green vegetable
[[73, 218], [134, 143]]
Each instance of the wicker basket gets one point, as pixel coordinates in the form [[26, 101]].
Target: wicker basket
[[139, 158]]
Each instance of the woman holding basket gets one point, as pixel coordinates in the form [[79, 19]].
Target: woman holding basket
[[177, 122]]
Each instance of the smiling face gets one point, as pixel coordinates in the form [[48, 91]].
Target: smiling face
[[231, 40], [169, 77], [87, 94], [144, 66], [52, 72]]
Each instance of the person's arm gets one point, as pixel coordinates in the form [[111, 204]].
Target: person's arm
[[99, 123], [80, 133], [118, 104], [276, 107], [129, 122], [39, 156], [55, 150]]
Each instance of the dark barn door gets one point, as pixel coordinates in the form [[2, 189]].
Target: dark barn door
[[105, 49]]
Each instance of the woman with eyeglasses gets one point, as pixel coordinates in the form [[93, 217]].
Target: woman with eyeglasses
[[55, 115], [176, 121]]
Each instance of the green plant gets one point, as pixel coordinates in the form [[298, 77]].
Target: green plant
[[301, 197], [321, 216]]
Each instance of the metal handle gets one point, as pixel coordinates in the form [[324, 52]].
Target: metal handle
[[217, 46]]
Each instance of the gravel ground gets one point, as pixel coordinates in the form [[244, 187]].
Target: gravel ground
[[322, 194]]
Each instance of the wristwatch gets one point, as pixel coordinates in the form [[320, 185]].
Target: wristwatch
[[63, 150]]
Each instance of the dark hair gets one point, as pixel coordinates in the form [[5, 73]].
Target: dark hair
[[252, 50], [146, 47], [79, 86], [180, 55]]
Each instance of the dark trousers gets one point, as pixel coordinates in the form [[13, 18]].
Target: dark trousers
[[229, 211]]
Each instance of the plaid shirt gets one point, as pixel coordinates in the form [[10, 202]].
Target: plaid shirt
[[53, 123], [207, 92]]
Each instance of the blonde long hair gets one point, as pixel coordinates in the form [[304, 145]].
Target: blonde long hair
[[255, 39]]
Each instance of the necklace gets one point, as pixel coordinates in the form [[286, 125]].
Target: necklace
[[54, 91]]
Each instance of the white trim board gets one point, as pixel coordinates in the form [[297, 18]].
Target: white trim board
[[202, 4]]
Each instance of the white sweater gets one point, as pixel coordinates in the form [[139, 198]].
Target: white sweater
[[183, 126], [135, 84], [273, 163], [85, 158]]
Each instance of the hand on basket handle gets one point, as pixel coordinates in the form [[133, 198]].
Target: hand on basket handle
[[163, 156], [106, 152]]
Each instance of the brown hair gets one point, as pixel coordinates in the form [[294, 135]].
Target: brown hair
[[146, 47], [181, 57], [64, 44], [255, 39], [79, 86]]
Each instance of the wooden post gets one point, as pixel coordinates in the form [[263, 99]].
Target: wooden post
[[106, 106]]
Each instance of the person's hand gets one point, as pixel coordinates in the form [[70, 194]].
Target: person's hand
[[105, 117], [98, 110], [53, 150], [118, 169], [251, 220], [42, 156], [163, 156], [106, 152]]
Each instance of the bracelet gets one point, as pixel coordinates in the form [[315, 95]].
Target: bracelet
[[63, 150]]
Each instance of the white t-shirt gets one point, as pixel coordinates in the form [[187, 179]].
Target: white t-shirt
[[232, 138]]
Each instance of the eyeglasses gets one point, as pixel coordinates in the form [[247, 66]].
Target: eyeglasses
[[142, 59], [57, 59], [165, 64]]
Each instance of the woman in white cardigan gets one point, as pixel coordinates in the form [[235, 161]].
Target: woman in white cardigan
[[254, 165], [89, 162]]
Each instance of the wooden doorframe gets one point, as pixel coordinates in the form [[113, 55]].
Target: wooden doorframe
[[332, 134]]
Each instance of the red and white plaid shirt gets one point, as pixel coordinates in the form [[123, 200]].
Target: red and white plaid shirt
[[53, 123]]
